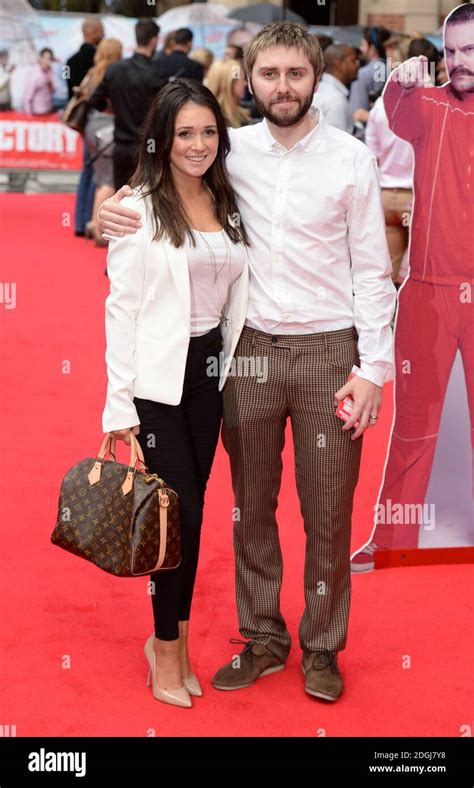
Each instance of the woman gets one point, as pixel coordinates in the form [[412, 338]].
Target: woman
[[205, 57], [171, 285], [108, 51], [226, 79]]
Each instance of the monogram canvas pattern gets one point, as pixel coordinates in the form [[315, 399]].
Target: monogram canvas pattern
[[118, 533]]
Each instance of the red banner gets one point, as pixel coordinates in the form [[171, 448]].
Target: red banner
[[38, 142]]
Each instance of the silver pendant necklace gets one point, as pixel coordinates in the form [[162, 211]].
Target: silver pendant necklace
[[228, 258]]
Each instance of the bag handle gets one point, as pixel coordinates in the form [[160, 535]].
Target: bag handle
[[136, 454]]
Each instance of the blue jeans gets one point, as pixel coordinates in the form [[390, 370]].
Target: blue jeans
[[85, 195]]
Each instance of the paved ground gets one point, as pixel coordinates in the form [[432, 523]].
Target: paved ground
[[39, 182]]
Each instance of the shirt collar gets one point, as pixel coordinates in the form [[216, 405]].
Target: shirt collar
[[314, 139], [335, 83]]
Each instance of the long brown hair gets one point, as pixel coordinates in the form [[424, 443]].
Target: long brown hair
[[154, 176]]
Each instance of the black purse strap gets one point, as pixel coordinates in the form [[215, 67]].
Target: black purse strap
[[100, 152]]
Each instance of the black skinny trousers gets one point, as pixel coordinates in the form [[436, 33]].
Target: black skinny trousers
[[179, 443]]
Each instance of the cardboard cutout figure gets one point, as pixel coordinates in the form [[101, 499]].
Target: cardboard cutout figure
[[435, 313]]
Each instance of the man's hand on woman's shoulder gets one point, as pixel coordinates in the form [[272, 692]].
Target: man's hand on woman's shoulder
[[114, 219]]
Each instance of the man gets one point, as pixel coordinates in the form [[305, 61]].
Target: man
[[129, 85], [178, 64], [332, 95], [5, 76], [320, 271], [79, 64], [38, 98], [435, 317], [168, 45], [370, 78], [395, 160], [233, 52]]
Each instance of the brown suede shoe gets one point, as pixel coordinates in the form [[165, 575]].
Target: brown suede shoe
[[254, 661], [323, 679]]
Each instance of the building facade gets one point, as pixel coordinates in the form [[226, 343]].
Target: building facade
[[406, 16]]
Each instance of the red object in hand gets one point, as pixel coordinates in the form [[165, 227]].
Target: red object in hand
[[345, 407]]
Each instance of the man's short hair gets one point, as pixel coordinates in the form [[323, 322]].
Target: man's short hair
[[462, 14], [376, 37], [183, 36], [421, 46], [46, 49], [334, 53], [145, 30], [91, 24], [284, 34], [323, 40]]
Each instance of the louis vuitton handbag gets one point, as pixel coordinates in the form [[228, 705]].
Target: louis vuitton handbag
[[120, 518]]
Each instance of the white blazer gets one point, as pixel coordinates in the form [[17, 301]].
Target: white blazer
[[148, 321]]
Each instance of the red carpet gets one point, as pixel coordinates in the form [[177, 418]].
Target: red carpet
[[72, 656]]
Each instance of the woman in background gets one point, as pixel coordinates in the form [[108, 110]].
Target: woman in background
[[108, 51], [206, 58], [226, 79]]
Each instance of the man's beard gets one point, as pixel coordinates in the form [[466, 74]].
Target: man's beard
[[291, 118]]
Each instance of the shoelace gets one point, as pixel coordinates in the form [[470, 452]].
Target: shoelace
[[327, 659], [370, 549], [248, 646]]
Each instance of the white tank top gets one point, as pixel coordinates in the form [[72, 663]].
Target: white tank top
[[210, 280]]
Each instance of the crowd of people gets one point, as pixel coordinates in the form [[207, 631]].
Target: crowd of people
[[120, 92]]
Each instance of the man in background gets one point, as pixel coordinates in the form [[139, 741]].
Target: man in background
[[332, 96], [178, 64], [79, 64], [129, 86], [5, 74], [371, 76]]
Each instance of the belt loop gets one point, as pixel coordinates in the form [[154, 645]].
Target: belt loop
[[325, 340], [253, 338]]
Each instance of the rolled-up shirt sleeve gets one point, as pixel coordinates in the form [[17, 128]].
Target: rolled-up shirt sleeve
[[373, 291], [125, 268]]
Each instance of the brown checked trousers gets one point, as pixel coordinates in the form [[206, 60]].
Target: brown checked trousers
[[302, 375]]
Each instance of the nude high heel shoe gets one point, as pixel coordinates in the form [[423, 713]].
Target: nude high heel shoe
[[176, 697], [192, 685]]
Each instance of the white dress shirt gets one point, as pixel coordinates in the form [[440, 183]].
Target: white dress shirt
[[394, 155], [318, 258], [332, 97]]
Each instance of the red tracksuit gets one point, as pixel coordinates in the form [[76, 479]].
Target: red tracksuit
[[435, 316]]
